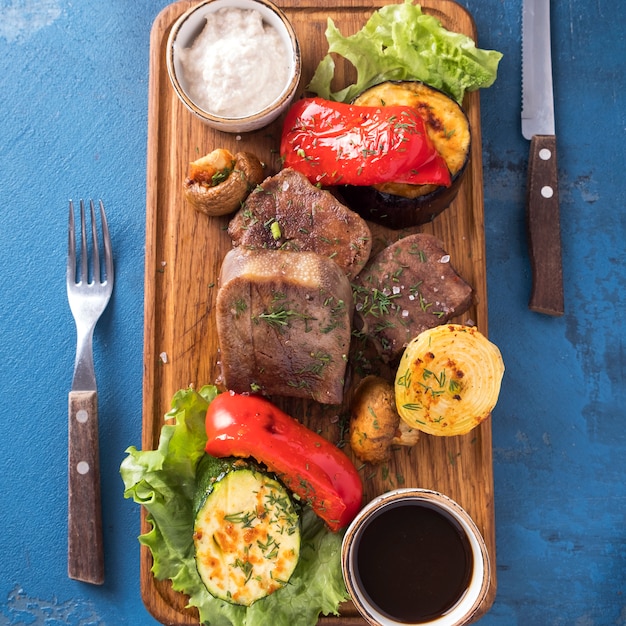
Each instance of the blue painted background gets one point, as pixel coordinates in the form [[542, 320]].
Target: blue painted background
[[73, 118]]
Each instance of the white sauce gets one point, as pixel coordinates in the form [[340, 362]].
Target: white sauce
[[237, 66]]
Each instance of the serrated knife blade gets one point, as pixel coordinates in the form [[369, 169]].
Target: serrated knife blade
[[542, 193]]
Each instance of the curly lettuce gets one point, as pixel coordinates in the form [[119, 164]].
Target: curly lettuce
[[164, 482], [399, 42]]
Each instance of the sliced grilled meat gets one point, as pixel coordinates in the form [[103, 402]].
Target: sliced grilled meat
[[287, 212], [284, 324], [406, 288]]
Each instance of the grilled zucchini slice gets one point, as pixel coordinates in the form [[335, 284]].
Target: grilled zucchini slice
[[246, 531]]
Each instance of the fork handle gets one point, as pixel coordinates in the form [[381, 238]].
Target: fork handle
[[85, 555]]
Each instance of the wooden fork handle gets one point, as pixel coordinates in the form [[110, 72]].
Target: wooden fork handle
[[85, 554]]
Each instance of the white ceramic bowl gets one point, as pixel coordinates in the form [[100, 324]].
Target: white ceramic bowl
[[187, 28], [479, 575]]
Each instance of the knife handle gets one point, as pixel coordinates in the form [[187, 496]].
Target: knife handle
[[85, 554], [544, 228]]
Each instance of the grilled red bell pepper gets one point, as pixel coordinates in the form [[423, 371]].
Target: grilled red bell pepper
[[333, 143], [308, 464]]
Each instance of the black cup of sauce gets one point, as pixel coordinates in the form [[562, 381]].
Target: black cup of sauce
[[414, 556]]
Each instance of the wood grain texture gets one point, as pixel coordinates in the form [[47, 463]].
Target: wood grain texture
[[184, 250], [85, 554]]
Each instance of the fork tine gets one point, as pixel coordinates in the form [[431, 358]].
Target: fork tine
[[80, 274], [95, 276], [108, 252], [71, 247], [84, 263]]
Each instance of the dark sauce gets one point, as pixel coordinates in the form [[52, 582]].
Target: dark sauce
[[414, 562]]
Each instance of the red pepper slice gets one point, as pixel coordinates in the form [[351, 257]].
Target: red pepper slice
[[308, 464], [335, 143]]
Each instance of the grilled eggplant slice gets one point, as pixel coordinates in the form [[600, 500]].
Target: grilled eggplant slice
[[246, 531], [401, 205]]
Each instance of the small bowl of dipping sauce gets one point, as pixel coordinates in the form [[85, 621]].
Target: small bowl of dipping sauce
[[234, 63], [414, 556]]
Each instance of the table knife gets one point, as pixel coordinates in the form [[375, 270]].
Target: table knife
[[542, 193]]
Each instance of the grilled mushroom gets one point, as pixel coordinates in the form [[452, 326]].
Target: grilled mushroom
[[219, 182], [375, 426]]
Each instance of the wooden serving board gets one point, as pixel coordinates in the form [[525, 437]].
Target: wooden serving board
[[184, 251]]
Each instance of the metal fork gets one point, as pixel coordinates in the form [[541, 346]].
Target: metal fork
[[88, 292]]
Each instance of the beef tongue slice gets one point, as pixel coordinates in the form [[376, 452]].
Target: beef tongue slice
[[284, 324], [406, 288], [287, 212]]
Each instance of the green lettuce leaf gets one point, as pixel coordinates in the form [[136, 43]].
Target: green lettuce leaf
[[164, 482], [399, 42]]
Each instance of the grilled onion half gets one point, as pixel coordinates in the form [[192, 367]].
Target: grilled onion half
[[448, 380]]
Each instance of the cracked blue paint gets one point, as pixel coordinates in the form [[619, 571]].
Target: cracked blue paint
[[21, 19], [20, 608]]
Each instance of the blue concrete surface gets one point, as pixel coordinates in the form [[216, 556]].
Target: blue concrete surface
[[73, 94]]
